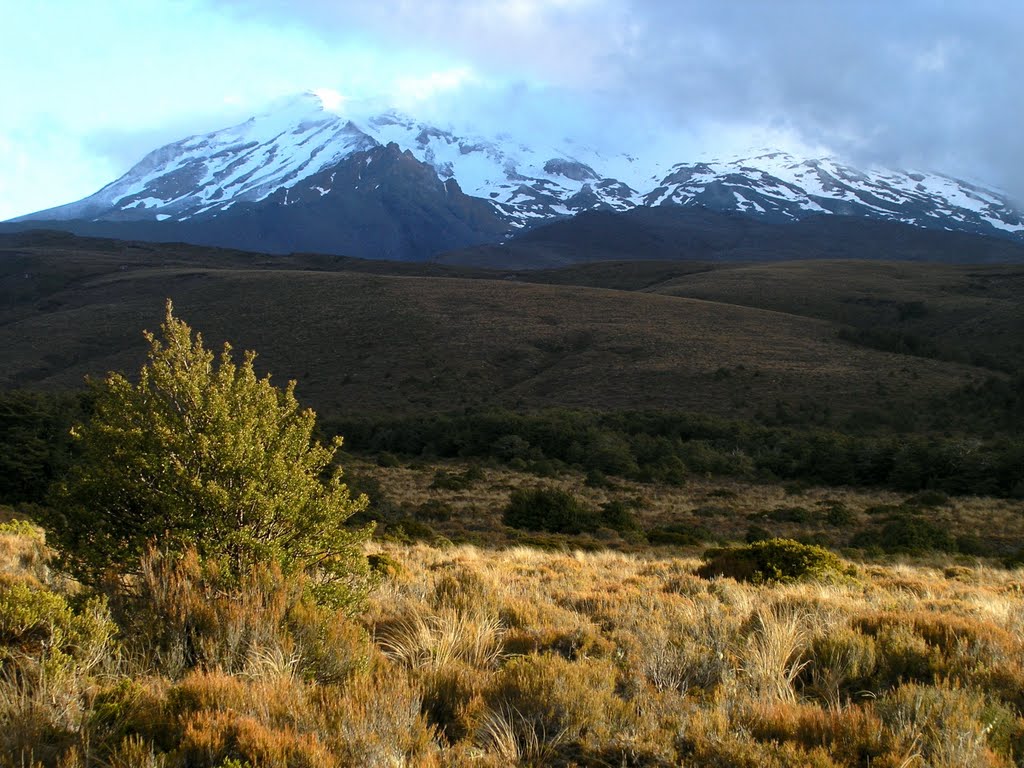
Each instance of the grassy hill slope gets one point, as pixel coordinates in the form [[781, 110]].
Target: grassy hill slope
[[426, 338]]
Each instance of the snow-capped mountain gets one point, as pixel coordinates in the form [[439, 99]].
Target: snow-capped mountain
[[300, 165], [780, 185], [286, 147]]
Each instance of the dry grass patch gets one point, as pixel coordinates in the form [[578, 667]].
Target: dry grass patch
[[526, 657]]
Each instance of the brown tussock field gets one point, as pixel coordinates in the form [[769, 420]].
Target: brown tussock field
[[516, 656]]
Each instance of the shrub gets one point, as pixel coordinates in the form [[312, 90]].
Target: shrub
[[791, 515], [206, 455], [434, 510], [409, 529], [907, 533], [547, 509], [39, 622], [772, 560], [678, 535], [455, 481], [618, 515], [596, 479], [839, 515], [387, 460]]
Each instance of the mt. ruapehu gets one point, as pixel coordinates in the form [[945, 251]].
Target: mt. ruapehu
[[385, 185]]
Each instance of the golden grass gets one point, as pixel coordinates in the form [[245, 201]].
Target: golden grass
[[518, 656]]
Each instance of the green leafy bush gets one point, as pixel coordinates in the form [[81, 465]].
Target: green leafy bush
[[203, 454], [773, 560], [907, 533], [678, 535], [35, 620], [618, 515], [547, 509]]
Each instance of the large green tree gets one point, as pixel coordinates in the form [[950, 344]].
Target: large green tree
[[202, 453]]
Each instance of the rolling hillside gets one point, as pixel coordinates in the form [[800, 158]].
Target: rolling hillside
[[369, 337]]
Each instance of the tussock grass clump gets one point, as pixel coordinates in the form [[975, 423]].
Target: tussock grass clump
[[190, 614], [517, 657], [436, 641]]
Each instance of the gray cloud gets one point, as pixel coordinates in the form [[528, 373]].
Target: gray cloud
[[914, 83]]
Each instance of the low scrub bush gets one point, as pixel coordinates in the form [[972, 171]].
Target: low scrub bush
[[548, 509], [839, 515], [456, 481], [678, 535], [773, 560], [618, 515], [791, 515], [39, 622], [908, 533]]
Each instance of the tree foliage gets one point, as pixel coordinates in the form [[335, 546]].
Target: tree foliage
[[201, 453]]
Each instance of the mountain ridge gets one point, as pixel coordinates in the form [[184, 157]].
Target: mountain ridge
[[234, 187]]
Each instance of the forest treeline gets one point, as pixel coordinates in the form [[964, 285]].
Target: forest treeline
[[970, 442]]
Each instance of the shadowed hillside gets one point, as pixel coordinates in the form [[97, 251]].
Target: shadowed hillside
[[407, 341], [688, 234]]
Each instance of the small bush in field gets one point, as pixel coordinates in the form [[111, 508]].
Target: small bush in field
[[839, 515], [435, 510], [791, 515], [455, 481], [618, 515], [678, 535], [907, 533], [37, 621], [203, 455], [772, 560], [387, 460], [547, 509]]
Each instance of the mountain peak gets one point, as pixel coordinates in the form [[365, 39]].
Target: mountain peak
[[289, 150], [319, 103]]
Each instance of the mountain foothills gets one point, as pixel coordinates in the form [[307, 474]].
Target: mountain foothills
[[834, 340], [385, 185]]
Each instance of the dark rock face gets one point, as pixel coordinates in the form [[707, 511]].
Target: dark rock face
[[570, 169]]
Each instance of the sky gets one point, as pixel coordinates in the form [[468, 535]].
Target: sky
[[90, 87]]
